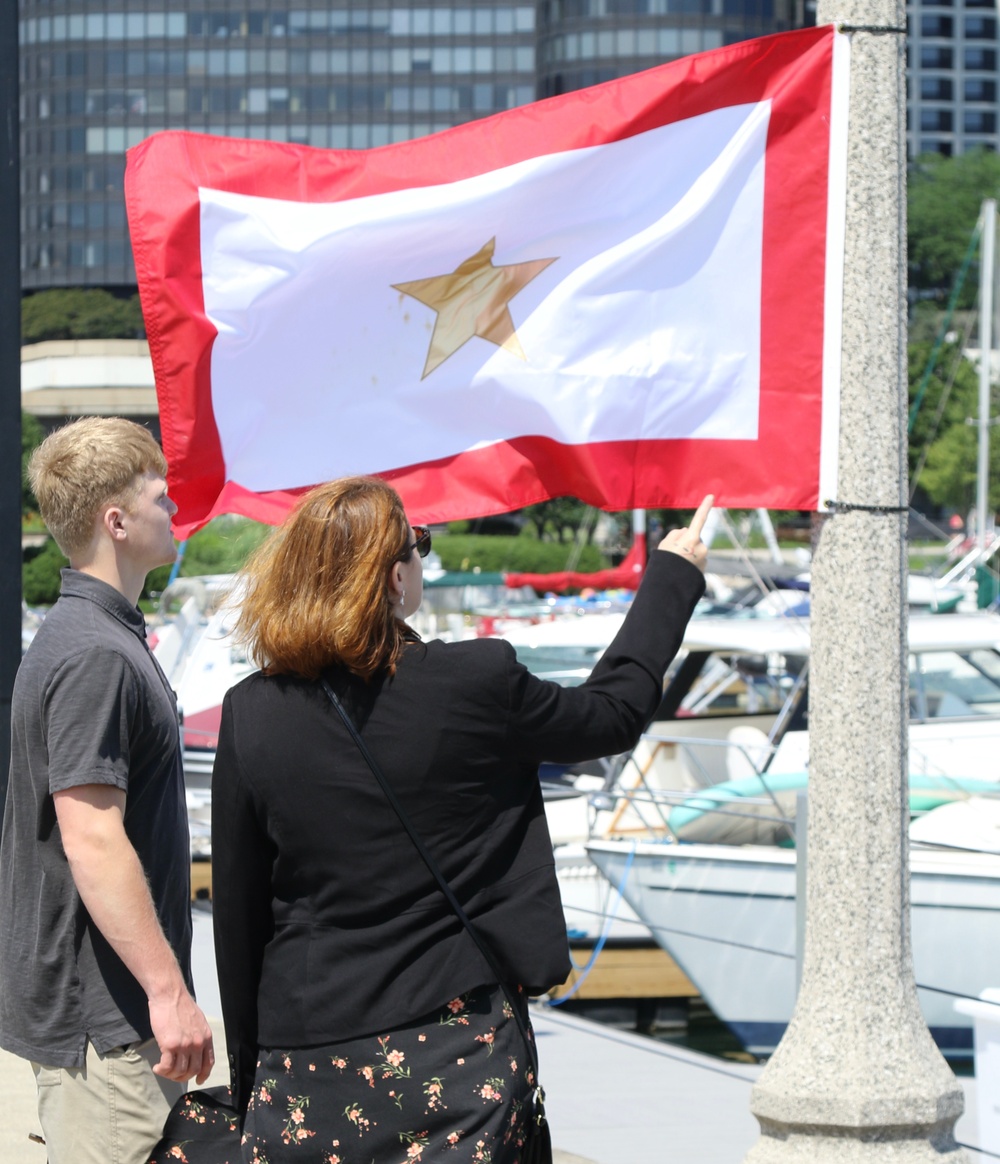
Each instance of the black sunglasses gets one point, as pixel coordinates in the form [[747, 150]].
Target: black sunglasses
[[423, 543]]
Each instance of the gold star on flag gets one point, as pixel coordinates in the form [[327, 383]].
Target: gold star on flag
[[472, 301]]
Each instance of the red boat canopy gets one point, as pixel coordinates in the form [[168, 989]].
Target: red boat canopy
[[625, 576]]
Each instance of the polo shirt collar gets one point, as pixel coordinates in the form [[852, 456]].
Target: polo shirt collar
[[76, 584]]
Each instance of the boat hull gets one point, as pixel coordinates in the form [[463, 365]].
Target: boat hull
[[728, 918]]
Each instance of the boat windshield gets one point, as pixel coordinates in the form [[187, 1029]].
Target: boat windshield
[[954, 684], [567, 665], [733, 683], [944, 684]]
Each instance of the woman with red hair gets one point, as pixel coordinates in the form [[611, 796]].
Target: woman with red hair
[[362, 1020]]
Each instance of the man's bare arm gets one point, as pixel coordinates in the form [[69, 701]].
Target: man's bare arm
[[112, 885]]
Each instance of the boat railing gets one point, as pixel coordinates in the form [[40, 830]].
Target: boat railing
[[670, 771], [755, 757], [665, 798], [976, 556], [634, 800]]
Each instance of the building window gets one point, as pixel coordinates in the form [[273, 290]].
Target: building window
[[980, 28], [936, 119], [935, 88], [934, 146], [978, 58], [979, 121], [943, 26], [980, 89], [934, 56]]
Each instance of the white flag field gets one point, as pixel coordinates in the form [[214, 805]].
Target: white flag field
[[633, 310]]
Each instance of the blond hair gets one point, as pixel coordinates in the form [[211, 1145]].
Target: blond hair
[[85, 466], [317, 591]]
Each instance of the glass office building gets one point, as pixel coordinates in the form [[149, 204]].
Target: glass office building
[[96, 79], [585, 42], [952, 58]]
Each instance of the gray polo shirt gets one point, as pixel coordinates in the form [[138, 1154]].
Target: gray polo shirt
[[90, 706]]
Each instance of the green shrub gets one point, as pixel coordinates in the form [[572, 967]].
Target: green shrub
[[32, 435], [222, 546], [79, 313], [40, 574], [503, 554], [156, 582]]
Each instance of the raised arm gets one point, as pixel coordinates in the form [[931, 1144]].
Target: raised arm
[[609, 712]]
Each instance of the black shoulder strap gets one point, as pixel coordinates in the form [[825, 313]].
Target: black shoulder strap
[[435, 873]]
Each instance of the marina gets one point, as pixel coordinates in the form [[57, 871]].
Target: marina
[[694, 832], [713, 785]]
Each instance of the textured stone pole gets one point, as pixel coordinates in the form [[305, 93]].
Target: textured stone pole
[[857, 1076], [987, 266]]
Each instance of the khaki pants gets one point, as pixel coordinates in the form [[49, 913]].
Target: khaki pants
[[109, 1111]]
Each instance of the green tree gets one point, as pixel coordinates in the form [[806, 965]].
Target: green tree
[[944, 197], [492, 553], [79, 313], [561, 518], [32, 435], [943, 447]]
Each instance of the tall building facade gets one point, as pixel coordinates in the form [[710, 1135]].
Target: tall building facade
[[952, 61], [97, 76], [585, 42]]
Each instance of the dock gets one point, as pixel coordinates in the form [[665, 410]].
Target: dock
[[635, 970], [612, 1097], [618, 1098]]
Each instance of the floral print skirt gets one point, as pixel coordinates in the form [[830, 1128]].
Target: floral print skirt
[[452, 1086]]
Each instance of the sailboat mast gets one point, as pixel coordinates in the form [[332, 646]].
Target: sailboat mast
[[986, 267]]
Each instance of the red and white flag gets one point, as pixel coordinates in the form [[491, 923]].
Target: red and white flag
[[630, 294]]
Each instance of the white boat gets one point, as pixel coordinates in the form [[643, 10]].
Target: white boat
[[727, 915], [201, 661], [726, 911], [735, 711]]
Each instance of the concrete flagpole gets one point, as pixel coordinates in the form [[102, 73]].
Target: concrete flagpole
[[857, 1076], [987, 277]]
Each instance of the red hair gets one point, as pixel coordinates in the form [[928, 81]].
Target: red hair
[[317, 591]]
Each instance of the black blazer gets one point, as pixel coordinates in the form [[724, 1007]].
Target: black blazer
[[327, 924]]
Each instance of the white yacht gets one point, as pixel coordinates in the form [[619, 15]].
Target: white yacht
[[725, 910]]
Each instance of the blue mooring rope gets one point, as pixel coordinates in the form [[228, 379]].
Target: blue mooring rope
[[599, 945]]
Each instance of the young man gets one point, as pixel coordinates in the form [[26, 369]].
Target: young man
[[95, 976]]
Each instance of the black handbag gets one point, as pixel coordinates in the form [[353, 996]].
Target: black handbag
[[538, 1148], [203, 1127]]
